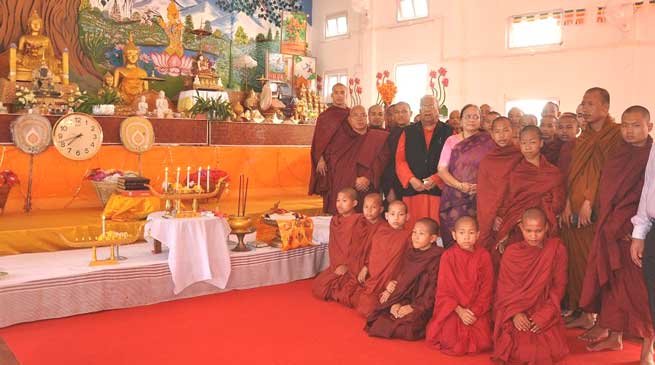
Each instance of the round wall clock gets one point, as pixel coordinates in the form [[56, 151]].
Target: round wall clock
[[77, 136], [31, 133], [137, 134]]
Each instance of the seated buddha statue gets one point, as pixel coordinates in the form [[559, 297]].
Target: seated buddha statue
[[129, 78], [35, 50]]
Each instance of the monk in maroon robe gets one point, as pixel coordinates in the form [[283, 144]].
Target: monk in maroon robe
[[327, 124], [406, 307], [355, 157], [567, 131], [461, 322], [532, 279], [613, 285], [330, 281], [552, 144], [388, 245], [493, 180], [534, 182]]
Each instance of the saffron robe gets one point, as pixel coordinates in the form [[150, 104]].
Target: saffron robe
[[416, 279], [387, 248], [589, 155], [492, 190], [351, 155], [613, 284], [551, 150], [464, 163], [466, 280], [327, 284], [327, 124], [532, 280], [530, 187]]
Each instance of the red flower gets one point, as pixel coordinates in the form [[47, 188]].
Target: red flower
[[445, 82], [386, 73], [431, 84], [379, 75], [8, 177], [433, 74], [357, 80], [442, 71], [351, 81], [359, 90], [319, 79]]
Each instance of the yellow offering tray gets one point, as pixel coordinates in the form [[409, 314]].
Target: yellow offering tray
[[113, 244]]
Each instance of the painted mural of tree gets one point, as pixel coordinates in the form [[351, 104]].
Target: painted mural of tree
[[268, 10]]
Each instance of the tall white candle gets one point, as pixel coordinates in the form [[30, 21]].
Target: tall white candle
[[188, 175], [103, 226], [198, 180], [166, 179], [208, 169], [177, 179]]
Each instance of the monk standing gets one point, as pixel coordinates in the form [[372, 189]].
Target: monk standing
[[551, 109], [376, 117], [593, 147], [390, 185], [567, 132], [552, 144], [406, 306], [613, 283], [531, 284], [486, 122], [417, 157], [582, 122], [327, 124]]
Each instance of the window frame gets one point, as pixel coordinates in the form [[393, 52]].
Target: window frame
[[536, 46], [336, 16], [403, 20], [395, 79]]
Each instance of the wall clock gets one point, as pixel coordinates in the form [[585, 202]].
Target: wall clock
[[31, 133], [137, 134], [77, 136]]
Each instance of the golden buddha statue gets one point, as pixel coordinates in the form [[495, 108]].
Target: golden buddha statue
[[174, 30], [35, 50], [107, 84], [129, 79]]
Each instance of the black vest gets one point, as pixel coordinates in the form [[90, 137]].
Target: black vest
[[424, 162]]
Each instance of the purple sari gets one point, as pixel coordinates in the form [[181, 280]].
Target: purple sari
[[463, 165]]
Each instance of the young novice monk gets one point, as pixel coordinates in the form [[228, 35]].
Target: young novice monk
[[552, 144], [533, 274], [406, 305], [567, 131], [388, 245], [461, 322], [327, 284]]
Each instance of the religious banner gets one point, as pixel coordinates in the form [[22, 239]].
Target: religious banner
[[304, 72], [580, 16], [279, 67], [569, 17], [294, 33], [600, 15]]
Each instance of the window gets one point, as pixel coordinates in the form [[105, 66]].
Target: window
[[336, 25], [331, 80], [535, 30], [529, 106], [412, 83], [412, 9]]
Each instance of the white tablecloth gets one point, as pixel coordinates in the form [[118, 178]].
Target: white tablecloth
[[321, 229], [198, 248]]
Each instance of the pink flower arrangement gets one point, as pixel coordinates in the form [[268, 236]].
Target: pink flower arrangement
[[172, 65], [355, 91], [8, 177], [438, 83]]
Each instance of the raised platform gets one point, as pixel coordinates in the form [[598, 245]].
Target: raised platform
[[60, 284]]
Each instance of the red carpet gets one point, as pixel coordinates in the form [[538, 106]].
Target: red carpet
[[272, 325]]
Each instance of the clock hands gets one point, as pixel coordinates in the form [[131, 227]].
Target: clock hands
[[72, 139]]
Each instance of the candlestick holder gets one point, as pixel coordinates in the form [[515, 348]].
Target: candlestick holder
[[194, 195], [112, 243]]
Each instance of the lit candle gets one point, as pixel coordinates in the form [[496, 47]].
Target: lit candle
[[208, 168], [166, 179], [177, 179], [103, 225], [188, 175], [198, 181]]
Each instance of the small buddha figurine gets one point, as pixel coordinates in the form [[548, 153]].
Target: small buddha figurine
[[107, 84], [33, 48], [161, 105], [142, 107], [128, 79]]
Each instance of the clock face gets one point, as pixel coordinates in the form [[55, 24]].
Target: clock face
[[77, 136], [137, 134]]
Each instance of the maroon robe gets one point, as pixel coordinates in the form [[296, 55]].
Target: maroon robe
[[551, 150], [565, 155], [387, 248], [327, 284], [613, 284], [532, 281], [327, 124], [466, 280], [417, 279], [493, 187]]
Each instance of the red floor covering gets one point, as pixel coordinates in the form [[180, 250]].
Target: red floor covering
[[272, 325]]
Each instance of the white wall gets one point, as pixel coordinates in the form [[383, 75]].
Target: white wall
[[469, 39]]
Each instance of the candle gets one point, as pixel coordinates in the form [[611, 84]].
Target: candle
[[103, 226], [208, 168], [198, 180], [166, 179], [177, 179], [188, 175]]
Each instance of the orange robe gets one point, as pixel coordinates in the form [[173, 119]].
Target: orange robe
[[589, 155], [387, 248], [614, 285], [466, 280], [421, 205], [532, 281]]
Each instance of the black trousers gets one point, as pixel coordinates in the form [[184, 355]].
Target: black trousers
[[649, 270]]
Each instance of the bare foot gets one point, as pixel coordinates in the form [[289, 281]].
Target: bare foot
[[585, 321], [647, 352], [595, 334], [613, 343]]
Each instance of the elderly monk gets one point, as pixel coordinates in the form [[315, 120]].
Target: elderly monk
[[390, 185], [376, 117], [327, 124], [531, 284], [493, 181], [599, 141], [613, 285], [454, 121], [567, 131], [551, 109], [355, 157], [488, 120], [552, 144], [417, 156]]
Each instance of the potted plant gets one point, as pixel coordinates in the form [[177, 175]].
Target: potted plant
[[97, 104], [7, 179], [214, 108]]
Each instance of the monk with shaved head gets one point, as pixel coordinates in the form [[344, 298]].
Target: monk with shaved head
[[567, 131], [376, 117], [390, 185]]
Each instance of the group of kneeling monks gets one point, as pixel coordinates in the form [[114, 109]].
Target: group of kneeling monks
[[473, 297]]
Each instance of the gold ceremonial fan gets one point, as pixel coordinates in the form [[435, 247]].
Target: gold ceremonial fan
[[137, 134], [31, 133]]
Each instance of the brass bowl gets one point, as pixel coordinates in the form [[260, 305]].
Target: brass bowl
[[239, 224]]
